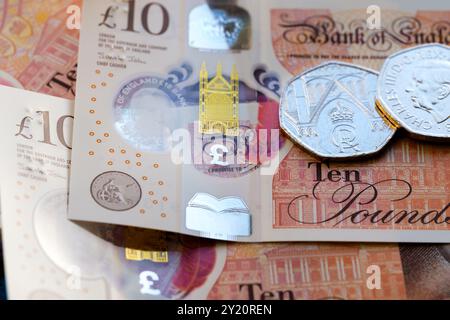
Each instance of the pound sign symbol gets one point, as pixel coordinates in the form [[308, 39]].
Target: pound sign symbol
[[148, 284], [107, 15], [217, 156], [24, 125]]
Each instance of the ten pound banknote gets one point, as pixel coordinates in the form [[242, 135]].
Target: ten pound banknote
[[251, 271], [51, 257], [177, 123], [38, 51]]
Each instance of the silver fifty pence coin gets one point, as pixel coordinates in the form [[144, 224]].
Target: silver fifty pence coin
[[330, 111]]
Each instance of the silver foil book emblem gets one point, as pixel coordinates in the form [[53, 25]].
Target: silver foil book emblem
[[226, 218]]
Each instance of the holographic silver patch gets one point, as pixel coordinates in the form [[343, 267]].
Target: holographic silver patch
[[330, 110], [225, 218], [116, 191], [216, 26]]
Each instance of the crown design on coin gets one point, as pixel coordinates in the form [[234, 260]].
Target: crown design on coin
[[341, 114]]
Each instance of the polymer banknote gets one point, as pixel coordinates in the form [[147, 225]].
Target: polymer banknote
[[51, 257], [62, 279], [177, 126], [38, 51], [48, 256]]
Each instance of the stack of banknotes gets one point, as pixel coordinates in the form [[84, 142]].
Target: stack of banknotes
[[244, 149]]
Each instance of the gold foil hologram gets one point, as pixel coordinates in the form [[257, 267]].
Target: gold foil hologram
[[219, 102]]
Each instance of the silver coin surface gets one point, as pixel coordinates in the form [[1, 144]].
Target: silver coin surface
[[414, 88], [330, 111], [116, 191]]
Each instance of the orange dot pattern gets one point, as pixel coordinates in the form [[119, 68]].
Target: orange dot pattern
[[123, 151]]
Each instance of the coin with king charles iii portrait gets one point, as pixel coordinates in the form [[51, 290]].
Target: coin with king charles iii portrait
[[330, 111], [414, 90]]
